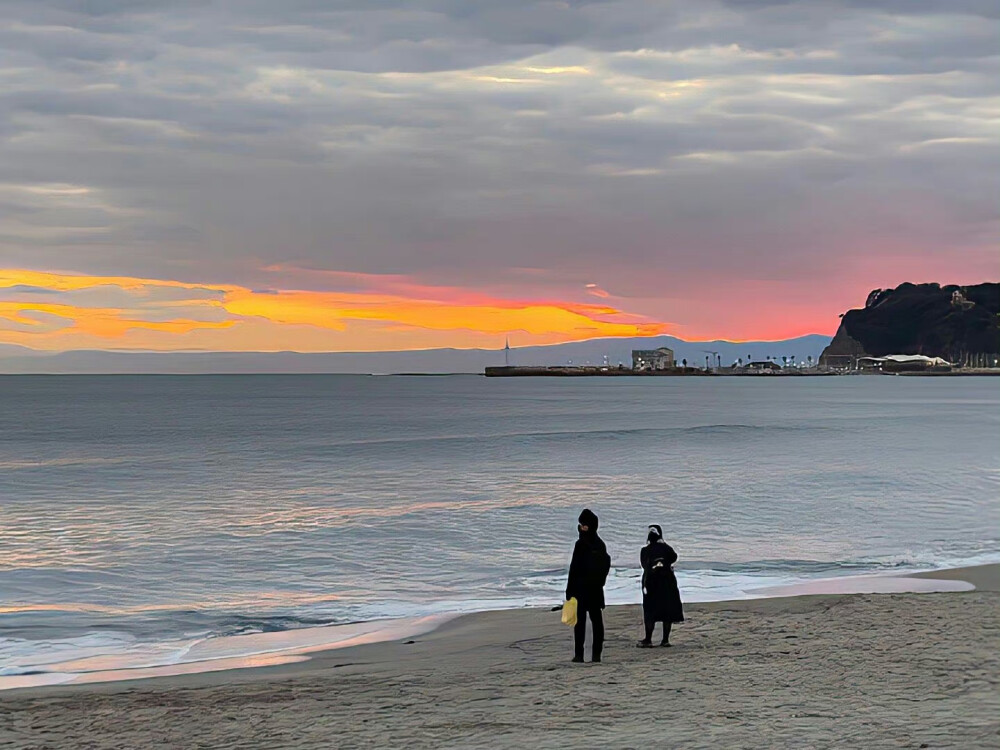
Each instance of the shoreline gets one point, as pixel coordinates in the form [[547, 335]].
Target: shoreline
[[530, 371], [246, 654], [558, 371], [823, 670]]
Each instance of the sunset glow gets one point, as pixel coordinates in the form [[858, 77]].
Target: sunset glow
[[50, 311], [284, 177]]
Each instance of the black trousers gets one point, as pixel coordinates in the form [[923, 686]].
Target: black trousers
[[650, 624], [596, 615]]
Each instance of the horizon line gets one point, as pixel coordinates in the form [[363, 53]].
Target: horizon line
[[734, 342]]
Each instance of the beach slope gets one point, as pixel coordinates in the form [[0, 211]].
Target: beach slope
[[865, 670]]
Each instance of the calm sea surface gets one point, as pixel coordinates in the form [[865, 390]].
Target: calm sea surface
[[136, 511]]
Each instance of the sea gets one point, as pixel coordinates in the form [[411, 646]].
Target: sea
[[157, 520]]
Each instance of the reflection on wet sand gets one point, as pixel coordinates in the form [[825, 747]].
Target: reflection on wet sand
[[215, 654]]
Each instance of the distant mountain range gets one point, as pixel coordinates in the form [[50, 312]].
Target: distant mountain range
[[21, 360]]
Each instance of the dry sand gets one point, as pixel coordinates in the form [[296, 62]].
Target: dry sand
[[861, 671]]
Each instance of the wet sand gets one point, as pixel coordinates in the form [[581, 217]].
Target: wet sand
[[846, 670]]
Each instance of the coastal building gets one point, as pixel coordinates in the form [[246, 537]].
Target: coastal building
[[838, 361], [903, 363], [653, 359], [958, 300], [764, 365]]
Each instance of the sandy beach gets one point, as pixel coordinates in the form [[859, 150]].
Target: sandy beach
[[862, 670]]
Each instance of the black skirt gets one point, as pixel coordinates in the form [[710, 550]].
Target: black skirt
[[661, 601]]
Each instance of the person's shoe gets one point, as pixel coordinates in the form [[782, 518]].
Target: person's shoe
[[595, 659], [644, 644], [666, 644], [577, 660]]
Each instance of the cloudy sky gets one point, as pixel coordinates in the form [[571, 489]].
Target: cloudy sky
[[396, 174]]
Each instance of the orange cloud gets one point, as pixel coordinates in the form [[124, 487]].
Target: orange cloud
[[63, 282], [227, 317], [95, 321]]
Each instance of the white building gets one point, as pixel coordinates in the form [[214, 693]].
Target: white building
[[902, 363], [653, 359]]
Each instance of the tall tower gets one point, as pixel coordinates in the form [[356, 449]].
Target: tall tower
[[506, 352]]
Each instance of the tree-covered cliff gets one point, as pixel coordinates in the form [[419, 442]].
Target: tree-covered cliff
[[953, 322]]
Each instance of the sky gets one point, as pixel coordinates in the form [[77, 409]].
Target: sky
[[374, 175]]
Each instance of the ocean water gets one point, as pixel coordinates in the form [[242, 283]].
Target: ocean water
[[146, 518]]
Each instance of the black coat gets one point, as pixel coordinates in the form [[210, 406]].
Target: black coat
[[661, 599], [588, 571]]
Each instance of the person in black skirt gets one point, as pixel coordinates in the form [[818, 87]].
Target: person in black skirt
[[661, 599]]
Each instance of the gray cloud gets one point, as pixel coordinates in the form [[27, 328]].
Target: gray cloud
[[632, 144]]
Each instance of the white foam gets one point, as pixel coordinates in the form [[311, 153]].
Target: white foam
[[88, 659]]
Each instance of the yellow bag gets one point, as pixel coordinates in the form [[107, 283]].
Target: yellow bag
[[569, 612]]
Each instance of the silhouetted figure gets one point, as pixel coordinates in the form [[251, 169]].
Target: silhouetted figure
[[588, 571], [661, 599]]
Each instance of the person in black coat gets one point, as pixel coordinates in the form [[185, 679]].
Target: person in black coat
[[661, 599], [588, 572]]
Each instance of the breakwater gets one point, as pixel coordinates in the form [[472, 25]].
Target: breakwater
[[604, 372], [570, 372]]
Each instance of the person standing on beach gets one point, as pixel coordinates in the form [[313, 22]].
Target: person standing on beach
[[588, 572], [661, 599]]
